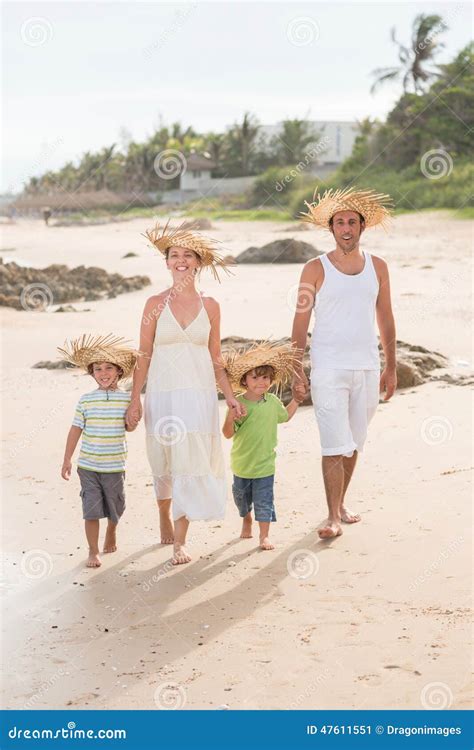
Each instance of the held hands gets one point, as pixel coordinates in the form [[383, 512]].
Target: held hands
[[300, 387], [237, 409], [133, 413], [388, 382], [66, 470]]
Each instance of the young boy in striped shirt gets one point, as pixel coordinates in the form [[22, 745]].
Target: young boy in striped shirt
[[100, 419]]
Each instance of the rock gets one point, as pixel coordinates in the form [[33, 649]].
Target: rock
[[130, 255], [279, 251], [197, 224], [47, 364], [67, 308], [37, 289], [414, 364]]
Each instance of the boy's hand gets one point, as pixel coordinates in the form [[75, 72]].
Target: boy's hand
[[66, 470]]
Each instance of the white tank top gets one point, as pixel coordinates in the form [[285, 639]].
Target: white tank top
[[344, 336]]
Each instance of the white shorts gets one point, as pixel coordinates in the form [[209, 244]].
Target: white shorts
[[344, 402]]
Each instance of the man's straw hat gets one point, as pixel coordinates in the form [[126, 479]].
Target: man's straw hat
[[163, 237], [282, 357], [87, 349], [368, 203]]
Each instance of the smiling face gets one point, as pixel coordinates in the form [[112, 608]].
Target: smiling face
[[347, 228], [105, 374], [182, 262], [259, 380]]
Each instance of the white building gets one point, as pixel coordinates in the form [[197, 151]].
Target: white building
[[337, 138]]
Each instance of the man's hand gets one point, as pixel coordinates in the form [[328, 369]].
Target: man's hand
[[300, 387], [388, 382], [66, 470]]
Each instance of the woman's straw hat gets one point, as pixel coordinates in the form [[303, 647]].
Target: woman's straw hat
[[282, 357], [163, 237], [368, 203], [87, 349]]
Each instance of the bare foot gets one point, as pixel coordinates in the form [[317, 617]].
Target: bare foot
[[329, 530], [265, 543], [246, 532], [110, 542], [166, 528], [347, 516], [180, 555], [93, 561]]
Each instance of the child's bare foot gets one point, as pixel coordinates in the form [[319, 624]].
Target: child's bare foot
[[166, 524], [110, 541], [246, 532], [93, 561], [347, 516], [180, 555], [265, 543], [329, 529]]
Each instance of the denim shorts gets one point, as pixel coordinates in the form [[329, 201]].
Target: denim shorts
[[256, 492]]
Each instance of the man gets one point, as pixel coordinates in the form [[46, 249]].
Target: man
[[348, 289]]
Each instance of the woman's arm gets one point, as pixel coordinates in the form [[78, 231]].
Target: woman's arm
[[151, 313], [213, 311]]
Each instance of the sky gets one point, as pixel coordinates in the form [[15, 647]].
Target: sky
[[75, 74]]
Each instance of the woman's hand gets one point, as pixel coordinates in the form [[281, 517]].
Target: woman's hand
[[134, 413], [238, 409]]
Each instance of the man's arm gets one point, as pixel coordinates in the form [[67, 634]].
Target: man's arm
[[386, 325]]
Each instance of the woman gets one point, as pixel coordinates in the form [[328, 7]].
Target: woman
[[181, 353]]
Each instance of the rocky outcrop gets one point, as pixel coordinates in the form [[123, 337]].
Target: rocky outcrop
[[37, 289], [279, 251]]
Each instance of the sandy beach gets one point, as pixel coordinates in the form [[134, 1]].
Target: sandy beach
[[378, 618]]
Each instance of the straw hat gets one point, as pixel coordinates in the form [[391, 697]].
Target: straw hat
[[87, 349], [366, 202], [163, 237], [282, 357]]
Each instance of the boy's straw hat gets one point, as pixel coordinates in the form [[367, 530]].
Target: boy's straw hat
[[163, 237], [87, 349], [282, 357], [366, 202]]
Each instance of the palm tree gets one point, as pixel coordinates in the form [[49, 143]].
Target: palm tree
[[424, 46]]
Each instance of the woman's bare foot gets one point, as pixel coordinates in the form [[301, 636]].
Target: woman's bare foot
[[329, 529], [347, 516], [265, 543], [93, 561], [246, 532], [110, 541], [180, 555], [166, 524]]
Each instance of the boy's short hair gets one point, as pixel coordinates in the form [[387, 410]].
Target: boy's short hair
[[260, 370], [90, 368]]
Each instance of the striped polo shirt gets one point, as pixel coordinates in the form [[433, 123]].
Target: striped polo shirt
[[101, 417]]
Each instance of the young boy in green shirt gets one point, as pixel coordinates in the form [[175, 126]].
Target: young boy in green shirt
[[255, 434]]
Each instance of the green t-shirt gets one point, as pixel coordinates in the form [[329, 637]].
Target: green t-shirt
[[255, 437]]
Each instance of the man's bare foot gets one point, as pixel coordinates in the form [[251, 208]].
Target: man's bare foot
[[347, 516], [246, 532], [166, 528], [265, 543], [93, 561], [180, 555], [110, 542], [329, 530]]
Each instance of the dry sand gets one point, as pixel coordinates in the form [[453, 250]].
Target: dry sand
[[376, 619]]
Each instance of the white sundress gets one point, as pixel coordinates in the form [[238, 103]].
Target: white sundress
[[183, 437]]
